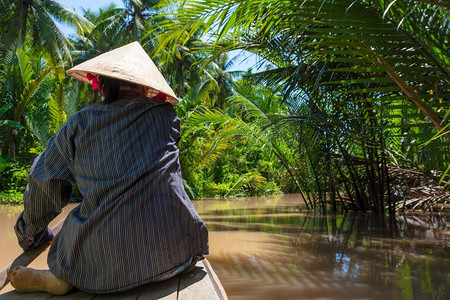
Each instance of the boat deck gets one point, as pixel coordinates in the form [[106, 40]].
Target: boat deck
[[199, 284]]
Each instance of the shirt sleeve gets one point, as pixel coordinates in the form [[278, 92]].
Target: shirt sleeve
[[48, 190]]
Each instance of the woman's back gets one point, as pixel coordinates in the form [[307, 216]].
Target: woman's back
[[135, 223]]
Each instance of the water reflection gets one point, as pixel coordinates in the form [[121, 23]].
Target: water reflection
[[280, 252], [271, 248]]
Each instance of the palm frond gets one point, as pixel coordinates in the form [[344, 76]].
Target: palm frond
[[52, 37], [30, 89], [66, 15]]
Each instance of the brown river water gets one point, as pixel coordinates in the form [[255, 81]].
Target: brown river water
[[271, 248]]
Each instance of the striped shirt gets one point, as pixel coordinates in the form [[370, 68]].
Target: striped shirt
[[135, 224]]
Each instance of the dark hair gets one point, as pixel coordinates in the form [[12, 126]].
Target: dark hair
[[111, 87]]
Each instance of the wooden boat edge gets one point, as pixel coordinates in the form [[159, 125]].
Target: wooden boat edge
[[215, 280]]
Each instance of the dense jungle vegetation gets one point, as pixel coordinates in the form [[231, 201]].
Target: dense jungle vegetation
[[347, 105]]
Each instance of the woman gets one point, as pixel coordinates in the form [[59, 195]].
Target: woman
[[135, 224]]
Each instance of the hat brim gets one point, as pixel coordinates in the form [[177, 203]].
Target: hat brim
[[128, 63], [82, 76]]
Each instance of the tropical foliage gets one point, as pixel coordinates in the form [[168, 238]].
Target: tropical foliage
[[366, 84], [346, 95]]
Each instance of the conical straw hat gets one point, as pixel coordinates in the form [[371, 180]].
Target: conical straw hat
[[129, 63]]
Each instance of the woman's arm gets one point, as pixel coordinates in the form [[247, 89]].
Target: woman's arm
[[48, 190]]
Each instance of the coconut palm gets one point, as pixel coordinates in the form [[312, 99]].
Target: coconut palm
[[37, 18], [180, 69], [219, 70], [30, 41], [115, 26], [101, 37]]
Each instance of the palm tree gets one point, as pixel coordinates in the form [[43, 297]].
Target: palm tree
[[223, 78], [29, 35], [373, 74], [255, 109], [116, 26], [37, 18], [181, 70], [26, 86], [104, 35], [369, 35]]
